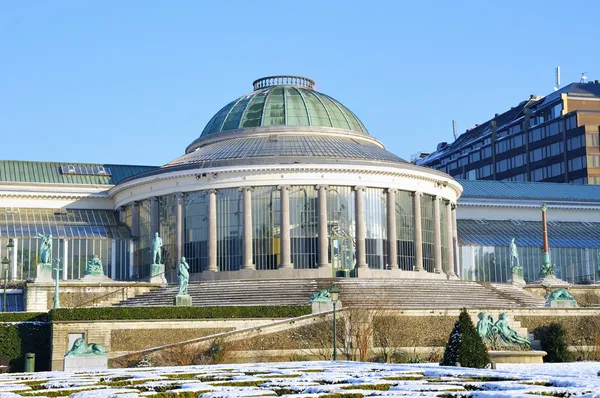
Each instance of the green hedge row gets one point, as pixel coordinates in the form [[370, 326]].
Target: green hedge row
[[23, 316], [125, 313], [17, 339]]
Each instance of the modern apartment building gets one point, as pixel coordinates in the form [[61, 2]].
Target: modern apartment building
[[553, 139]]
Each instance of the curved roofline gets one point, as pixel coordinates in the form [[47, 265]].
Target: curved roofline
[[270, 130], [287, 161]]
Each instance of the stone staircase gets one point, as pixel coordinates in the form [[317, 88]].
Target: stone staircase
[[399, 293], [516, 293]]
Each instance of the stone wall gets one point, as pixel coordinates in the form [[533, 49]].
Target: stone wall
[[586, 295], [408, 332], [121, 337], [39, 297]]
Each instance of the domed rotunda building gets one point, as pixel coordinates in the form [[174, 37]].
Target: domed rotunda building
[[287, 182]]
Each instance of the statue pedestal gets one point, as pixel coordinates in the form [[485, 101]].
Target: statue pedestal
[[157, 274], [552, 282], [183, 300], [96, 279], [44, 274], [85, 363], [517, 276], [322, 306], [564, 303]]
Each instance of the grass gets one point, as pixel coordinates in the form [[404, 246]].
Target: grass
[[401, 378], [252, 383], [376, 387]]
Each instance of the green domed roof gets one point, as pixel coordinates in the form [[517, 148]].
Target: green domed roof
[[283, 101]]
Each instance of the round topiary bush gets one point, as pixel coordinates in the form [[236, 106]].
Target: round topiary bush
[[464, 345]]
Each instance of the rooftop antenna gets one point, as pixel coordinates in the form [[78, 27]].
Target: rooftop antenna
[[583, 77], [454, 128], [557, 87]]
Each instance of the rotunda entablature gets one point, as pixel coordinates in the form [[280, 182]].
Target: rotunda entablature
[[409, 178]]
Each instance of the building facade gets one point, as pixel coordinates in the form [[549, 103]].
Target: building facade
[[282, 182], [491, 213], [552, 139]]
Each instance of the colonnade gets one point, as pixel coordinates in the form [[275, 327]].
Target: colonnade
[[451, 244]]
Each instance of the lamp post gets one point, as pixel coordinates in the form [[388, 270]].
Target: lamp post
[[56, 286], [334, 292], [5, 263]]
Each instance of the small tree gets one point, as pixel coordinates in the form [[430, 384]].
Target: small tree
[[465, 345], [552, 340]]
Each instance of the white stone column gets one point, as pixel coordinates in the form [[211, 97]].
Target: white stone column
[[113, 259], [391, 229], [361, 230], [248, 256], [284, 235], [323, 238], [15, 251], [455, 242], [65, 259], [437, 240], [418, 231], [178, 227], [131, 259], [449, 239], [212, 230]]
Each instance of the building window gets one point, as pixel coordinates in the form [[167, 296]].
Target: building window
[[195, 227], [593, 161], [428, 230], [571, 122], [230, 220], [405, 233], [304, 223], [266, 227], [167, 210], [376, 222]]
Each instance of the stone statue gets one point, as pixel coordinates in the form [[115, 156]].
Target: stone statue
[[547, 270], [484, 327], [559, 294], [94, 266], [322, 296], [184, 277], [507, 335], [82, 349], [46, 249], [157, 244], [514, 254]]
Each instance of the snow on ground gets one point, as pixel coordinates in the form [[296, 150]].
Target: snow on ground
[[313, 379]]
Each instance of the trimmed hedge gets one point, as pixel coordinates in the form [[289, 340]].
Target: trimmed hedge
[[128, 313], [17, 339], [23, 317]]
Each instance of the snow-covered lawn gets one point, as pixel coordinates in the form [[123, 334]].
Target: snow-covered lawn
[[313, 379]]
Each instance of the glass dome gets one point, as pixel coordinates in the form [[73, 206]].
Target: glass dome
[[283, 101]]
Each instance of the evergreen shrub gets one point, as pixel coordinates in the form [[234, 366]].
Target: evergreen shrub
[[127, 313], [552, 340], [465, 346]]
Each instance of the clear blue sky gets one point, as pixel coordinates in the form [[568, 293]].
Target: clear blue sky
[[136, 81]]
